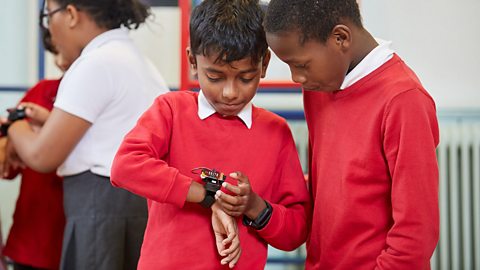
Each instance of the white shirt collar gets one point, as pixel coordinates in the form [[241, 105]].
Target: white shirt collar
[[205, 109], [377, 57], [114, 34]]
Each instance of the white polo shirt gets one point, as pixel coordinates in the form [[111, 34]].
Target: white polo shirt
[[110, 85], [205, 109], [376, 58]]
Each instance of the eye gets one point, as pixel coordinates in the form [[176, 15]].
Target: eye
[[213, 79], [246, 80], [300, 66]]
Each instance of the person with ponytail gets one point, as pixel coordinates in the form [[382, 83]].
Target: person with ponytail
[[108, 86]]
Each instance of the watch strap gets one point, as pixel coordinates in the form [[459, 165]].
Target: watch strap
[[262, 219], [209, 199]]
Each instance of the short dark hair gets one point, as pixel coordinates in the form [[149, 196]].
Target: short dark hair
[[314, 19], [231, 28], [112, 14]]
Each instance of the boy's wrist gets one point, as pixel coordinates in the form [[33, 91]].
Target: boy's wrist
[[209, 197], [261, 220], [257, 207]]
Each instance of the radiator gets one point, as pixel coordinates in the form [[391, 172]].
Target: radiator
[[459, 163], [459, 196]]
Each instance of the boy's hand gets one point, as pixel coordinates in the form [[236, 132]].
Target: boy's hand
[[226, 236], [245, 202], [37, 114]]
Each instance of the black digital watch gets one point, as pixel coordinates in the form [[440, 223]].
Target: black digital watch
[[14, 114], [261, 221], [213, 181]]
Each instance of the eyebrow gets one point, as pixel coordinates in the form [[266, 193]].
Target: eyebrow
[[213, 70]]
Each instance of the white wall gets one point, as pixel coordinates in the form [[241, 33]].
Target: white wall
[[159, 39], [18, 42], [439, 39]]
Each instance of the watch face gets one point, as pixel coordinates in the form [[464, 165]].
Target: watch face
[[212, 180]]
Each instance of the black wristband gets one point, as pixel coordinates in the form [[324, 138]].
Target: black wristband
[[213, 182], [210, 190], [262, 220], [209, 199], [14, 114]]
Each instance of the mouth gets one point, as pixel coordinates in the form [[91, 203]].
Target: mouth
[[309, 87], [230, 109]]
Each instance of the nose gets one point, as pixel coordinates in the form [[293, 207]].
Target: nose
[[298, 77], [230, 91]]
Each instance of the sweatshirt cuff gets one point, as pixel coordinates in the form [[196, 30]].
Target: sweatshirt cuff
[[179, 190]]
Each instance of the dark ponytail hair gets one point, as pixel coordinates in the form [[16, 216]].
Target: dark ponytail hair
[[47, 41], [112, 13]]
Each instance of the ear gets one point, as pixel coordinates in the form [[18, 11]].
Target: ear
[[192, 61], [265, 62], [73, 15], [342, 36]]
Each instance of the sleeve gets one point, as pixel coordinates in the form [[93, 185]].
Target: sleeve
[[287, 227], [33, 95], [139, 165], [43, 93], [410, 138], [86, 90]]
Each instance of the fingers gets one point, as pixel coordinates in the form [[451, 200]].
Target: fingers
[[227, 237], [232, 205], [227, 241], [219, 238], [29, 106], [228, 199], [232, 188], [235, 258], [235, 205], [240, 177], [234, 245], [243, 187], [232, 257], [232, 254], [35, 113]]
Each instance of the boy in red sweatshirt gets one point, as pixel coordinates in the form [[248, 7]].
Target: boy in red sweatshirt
[[218, 128], [373, 132]]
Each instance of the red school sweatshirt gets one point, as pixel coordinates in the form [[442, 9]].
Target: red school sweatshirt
[[374, 174]]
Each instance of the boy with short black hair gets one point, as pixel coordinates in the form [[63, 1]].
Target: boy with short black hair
[[373, 132], [217, 128]]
